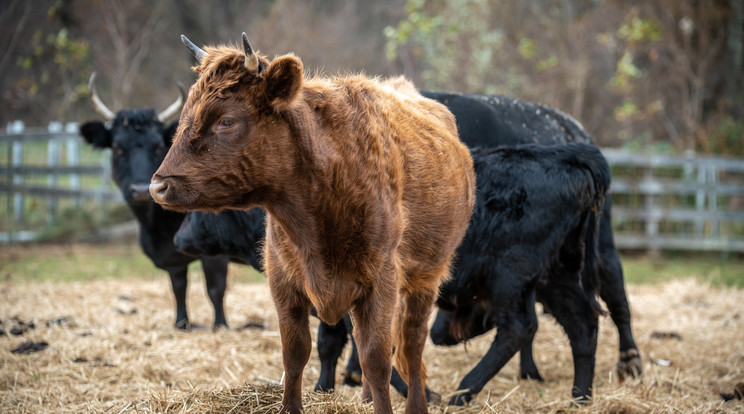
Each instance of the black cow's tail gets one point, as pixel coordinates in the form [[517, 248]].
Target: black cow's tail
[[600, 178], [590, 273]]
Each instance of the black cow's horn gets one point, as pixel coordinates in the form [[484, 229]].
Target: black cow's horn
[[251, 60], [98, 105], [173, 109], [198, 53]]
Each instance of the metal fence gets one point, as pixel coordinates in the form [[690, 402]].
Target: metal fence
[[677, 203], [659, 202], [45, 170]]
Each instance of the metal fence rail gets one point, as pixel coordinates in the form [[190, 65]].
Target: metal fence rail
[[680, 203], [43, 166], [659, 202]]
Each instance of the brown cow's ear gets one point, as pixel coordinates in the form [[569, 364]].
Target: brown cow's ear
[[283, 80]]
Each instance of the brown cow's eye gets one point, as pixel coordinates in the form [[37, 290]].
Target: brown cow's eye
[[225, 122]]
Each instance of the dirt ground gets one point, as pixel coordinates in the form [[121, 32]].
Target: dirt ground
[[111, 347]]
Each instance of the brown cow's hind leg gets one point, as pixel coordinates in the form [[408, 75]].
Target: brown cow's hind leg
[[372, 319], [411, 331]]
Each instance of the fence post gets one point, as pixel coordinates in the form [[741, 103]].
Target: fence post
[[17, 162], [713, 201], [72, 145], [700, 200], [652, 220], [52, 161], [105, 179]]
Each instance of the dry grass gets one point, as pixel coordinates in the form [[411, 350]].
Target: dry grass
[[107, 359]]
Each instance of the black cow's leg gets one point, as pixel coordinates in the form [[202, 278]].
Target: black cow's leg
[[612, 292], [399, 384], [516, 326], [527, 367], [571, 309], [331, 342], [179, 283], [353, 370], [215, 274]]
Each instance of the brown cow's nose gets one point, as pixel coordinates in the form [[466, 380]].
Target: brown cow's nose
[[158, 189]]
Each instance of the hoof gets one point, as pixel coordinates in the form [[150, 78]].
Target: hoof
[[629, 364], [580, 399], [352, 379], [531, 375], [183, 325], [320, 389], [220, 327], [433, 397], [462, 398]]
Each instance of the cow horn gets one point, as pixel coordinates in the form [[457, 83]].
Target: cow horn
[[198, 53], [98, 105], [173, 109], [251, 60]]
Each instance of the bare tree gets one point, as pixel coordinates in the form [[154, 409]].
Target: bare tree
[[13, 18], [130, 27]]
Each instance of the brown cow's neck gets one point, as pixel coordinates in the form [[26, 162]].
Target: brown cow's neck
[[295, 218], [291, 206], [314, 151]]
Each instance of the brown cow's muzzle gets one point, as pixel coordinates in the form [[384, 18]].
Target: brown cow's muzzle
[[158, 190], [172, 194]]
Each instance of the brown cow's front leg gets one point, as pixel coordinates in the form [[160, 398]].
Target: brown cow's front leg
[[292, 308], [372, 319]]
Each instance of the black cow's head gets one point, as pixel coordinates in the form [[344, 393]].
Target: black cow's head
[[139, 139], [464, 312]]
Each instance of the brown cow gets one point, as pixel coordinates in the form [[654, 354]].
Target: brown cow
[[368, 192]]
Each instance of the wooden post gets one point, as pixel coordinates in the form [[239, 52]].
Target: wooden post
[[18, 182], [715, 226], [105, 178], [652, 219], [72, 146], [52, 161], [700, 201]]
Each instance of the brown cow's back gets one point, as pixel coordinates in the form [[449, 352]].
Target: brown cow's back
[[413, 161]]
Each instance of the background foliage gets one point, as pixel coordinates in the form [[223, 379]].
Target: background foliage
[[662, 74]]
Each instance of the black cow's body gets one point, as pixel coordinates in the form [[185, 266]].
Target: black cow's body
[[533, 233], [491, 120], [482, 121], [236, 234], [139, 141]]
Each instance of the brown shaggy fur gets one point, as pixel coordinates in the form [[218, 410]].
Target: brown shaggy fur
[[368, 192]]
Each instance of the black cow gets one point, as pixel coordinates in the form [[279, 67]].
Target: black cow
[[139, 139], [533, 235], [492, 120]]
